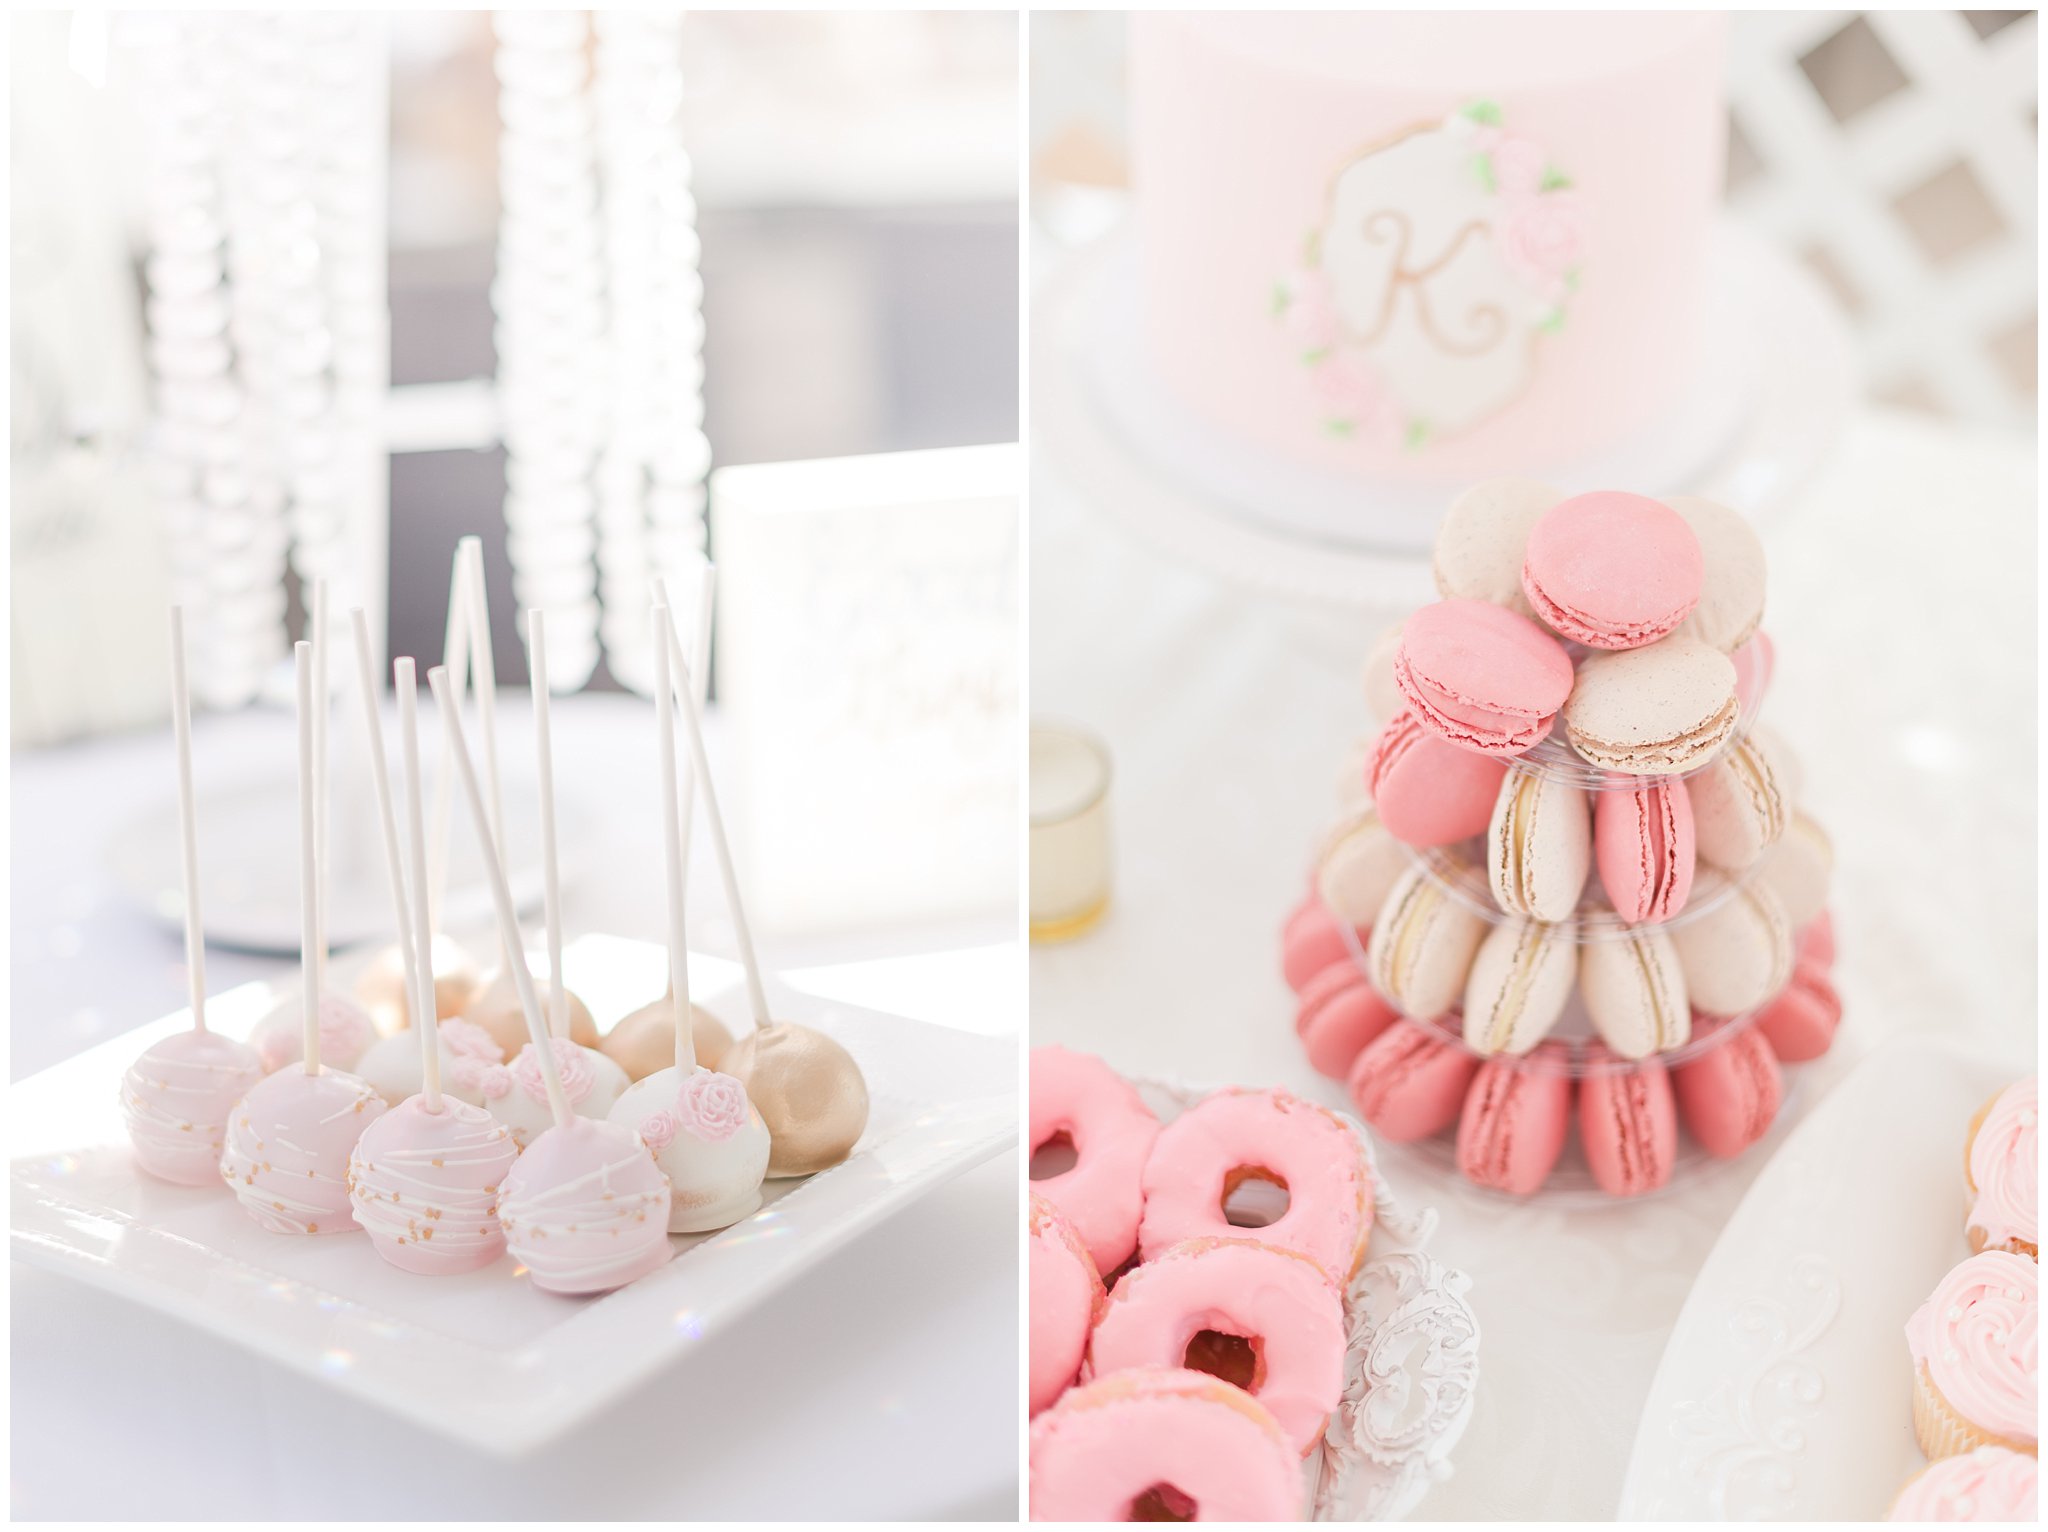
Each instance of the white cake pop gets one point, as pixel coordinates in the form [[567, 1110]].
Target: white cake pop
[[806, 1085], [346, 1034], [423, 1180], [288, 1140], [584, 1209], [470, 1059], [707, 1138], [176, 1097]]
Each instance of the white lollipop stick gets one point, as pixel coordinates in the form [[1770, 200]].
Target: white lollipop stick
[[320, 695], [483, 673], [380, 777], [419, 975], [757, 996], [501, 897], [537, 653], [188, 821], [672, 843], [455, 658], [700, 688], [302, 659]]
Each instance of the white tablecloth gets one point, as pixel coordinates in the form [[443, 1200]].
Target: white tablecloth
[[882, 1385], [1902, 602]]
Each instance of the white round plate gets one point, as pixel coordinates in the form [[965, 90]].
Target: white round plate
[[249, 865], [1770, 405], [1784, 1391]]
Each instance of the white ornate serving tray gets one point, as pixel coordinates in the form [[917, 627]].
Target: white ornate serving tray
[[1413, 1362], [1784, 1391], [486, 1358]]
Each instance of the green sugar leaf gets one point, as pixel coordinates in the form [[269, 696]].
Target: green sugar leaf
[[1340, 427], [1482, 167], [1554, 179], [1418, 433], [1484, 112]]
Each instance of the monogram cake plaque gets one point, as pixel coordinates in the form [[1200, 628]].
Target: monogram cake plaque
[[1444, 257]]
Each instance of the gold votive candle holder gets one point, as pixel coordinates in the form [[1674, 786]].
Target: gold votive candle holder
[[1069, 831]]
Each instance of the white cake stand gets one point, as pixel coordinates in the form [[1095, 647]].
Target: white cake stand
[[1770, 402]]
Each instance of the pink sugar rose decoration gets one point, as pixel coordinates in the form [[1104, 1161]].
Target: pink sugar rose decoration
[[467, 1040], [1518, 164], [1311, 312], [659, 1131], [1356, 399], [572, 1063], [711, 1106], [1542, 239], [495, 1082]]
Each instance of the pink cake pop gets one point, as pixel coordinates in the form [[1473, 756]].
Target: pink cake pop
[[807, 1087], [382, 984], [177, 1095], [585, 1209], [707, 1137], [592, 1080], [424, 1178], [347, 1031], [288, 1140]]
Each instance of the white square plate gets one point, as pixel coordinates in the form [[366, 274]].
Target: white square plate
[[486, 1358]]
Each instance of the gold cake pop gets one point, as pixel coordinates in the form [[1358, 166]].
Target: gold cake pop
[[381, 986], [807, 1088], [645, 1041]]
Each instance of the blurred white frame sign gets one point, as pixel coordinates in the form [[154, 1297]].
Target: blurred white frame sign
[[867, 664]]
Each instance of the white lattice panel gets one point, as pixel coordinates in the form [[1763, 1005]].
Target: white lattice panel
[[1896, 151]]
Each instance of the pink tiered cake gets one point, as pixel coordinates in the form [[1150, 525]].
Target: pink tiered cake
[[1406, 252]]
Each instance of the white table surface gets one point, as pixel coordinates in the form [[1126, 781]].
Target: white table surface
[[893, 1368], [1902, 602]]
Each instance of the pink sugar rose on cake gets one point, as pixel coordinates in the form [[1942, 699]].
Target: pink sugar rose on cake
[[1542, 240], [1355, 394], [1311, 313], [711, 1106], [1518, 163], [659, 1131]]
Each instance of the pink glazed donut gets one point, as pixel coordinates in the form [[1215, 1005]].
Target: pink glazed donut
[[1235, 1136], [1162, 1444], [1187, 1308], [1077, 1096], [1066, 1293]]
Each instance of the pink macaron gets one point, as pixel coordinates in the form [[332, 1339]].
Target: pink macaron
[[1628, 1124], [1312, 941], [1644, 846], [1480, 676], [1729, 1096], [1611, 570], [1800, 1024], [1427, 792], [1815, 942], [1339, 1014], [1410, 1081], [1513, 1126]]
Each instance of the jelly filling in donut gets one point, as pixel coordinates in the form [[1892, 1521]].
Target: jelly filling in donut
[[1162, 1502], [1055, 1157], [1235, 1359], [1254, 1197]]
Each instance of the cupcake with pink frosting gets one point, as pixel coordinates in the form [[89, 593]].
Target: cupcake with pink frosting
[[1990, 1484], [1974, 1344], [2001, 1167]]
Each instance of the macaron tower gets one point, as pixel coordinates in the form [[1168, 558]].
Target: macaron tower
[[1579, 892]]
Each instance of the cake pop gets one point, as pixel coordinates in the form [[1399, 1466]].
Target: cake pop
[[808, 1088], [424, 1178], [382, 985], [346, 1029], [585, 1208], [393, 1066], [591, 1081], [288, 1140], [707, 1137], [645, 1040], [495, 1005], [177, 1095]]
